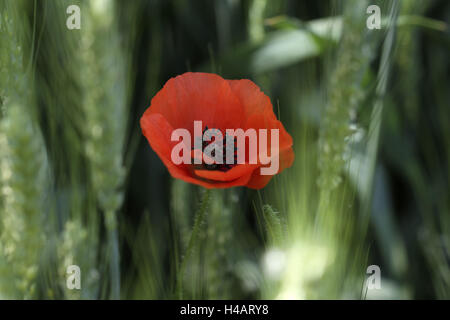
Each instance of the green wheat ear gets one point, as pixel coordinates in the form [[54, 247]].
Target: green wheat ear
[[23, 180], [103, 77], [23, 165], [274, 225], [353, 57]]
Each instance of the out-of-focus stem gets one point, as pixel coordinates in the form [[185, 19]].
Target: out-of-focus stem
[[114, 257], [199, 218], [375, 122]]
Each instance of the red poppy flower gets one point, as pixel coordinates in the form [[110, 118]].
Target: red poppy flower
[[220, 104]]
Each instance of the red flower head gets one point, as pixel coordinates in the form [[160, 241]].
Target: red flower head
[[193, 99]]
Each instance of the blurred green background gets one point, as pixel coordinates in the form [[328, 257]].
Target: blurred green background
[[368, 111]]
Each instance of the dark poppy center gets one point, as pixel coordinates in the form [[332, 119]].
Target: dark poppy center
[[224, 166]]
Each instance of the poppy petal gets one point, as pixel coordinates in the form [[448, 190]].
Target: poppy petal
[[258, 181], [251, 97], [158, 133], [229, 175], [198, 96]]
